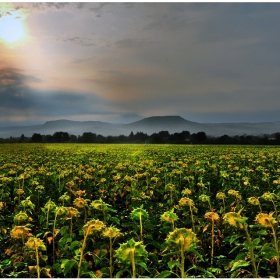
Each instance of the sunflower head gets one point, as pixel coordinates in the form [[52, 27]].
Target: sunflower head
[[220, 195], [139, 211], [20, 191], [79, 193], [61, 210], [266, 220], [50, 205], [131, 248], [204, 198], [233, 219], [212, 216], [186, 191], [235, 194], [253, 200], [92, 226], [99, 204], [64, 197], [186, 201], [182, 237], [268, 196], [111, 232], [80, 202], [34, 243], [19, 232], [72, 212], [2, 205], [21, 217], [169, 216]]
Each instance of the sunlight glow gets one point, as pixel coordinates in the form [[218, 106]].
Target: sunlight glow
[[11, 29]]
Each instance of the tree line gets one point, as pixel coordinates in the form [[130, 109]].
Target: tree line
[[162, 137]]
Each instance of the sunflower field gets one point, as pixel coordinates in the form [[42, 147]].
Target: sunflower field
[[130, 211]]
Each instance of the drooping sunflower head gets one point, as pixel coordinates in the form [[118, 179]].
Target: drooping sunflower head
[[21, 217], [235, 194], [186, 201], [131, 248], [139, 211], [72, 212], [19, 232], [79, 193], [212, 216], [92, 226], [61, 210], [204, 198], [2, 205], [111, 232], [182, 237], [266, 220], [99, 204], [169, 216], [34, 242], [232, 218], [220, 195], [253, 200], [20, 191], [64, 197], [80, 202], [50, 205], [268, 196], [186, 191]]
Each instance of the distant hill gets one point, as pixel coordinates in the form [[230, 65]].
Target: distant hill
[[149, 125]]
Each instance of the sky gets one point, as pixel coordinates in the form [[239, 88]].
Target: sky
[[121, 62]]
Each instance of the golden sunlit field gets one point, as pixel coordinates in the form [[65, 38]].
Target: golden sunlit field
[[77, 210]]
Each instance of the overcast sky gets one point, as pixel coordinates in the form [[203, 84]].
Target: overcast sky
[[121, 62]]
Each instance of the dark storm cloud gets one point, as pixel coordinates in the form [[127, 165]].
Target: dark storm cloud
[[17, 98]]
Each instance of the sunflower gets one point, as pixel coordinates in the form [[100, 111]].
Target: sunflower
[[231, 217], [19, 232], [186, 201], [169, 216], [253, 200], [212, 216], [182, 237], [220, 195], [93, 225], [80, 202], [34, 242], [265, 220], [111, 232]]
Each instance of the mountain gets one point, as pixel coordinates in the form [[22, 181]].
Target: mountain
[[147, 125]]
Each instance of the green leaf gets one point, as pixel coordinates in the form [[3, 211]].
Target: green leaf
[[207, 273], [240, 263], [68, 266], [75, 245], [64, 230], [57, 268], [268, 252], [142, 264], [120, 272], [241, 256], [171, 264], [262, 232], [116, 220], [44, 258], [163, 274]]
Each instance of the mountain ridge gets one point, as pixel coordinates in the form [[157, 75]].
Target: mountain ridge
[[149, 125]]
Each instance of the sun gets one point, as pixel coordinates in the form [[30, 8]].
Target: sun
[[11, 28]]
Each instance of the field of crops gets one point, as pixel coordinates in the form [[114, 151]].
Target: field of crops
[[124, 211]]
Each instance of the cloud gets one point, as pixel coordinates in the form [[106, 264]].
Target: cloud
[[81, 41], [19, 100]]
